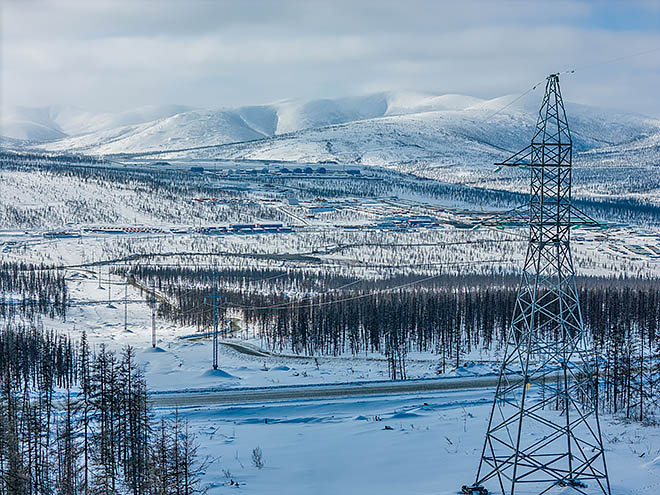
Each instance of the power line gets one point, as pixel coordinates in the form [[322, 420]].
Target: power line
[[402, 286], [324, 303], [609, 61], [509, 104]]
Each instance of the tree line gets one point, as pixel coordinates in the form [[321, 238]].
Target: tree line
[[27, 290]]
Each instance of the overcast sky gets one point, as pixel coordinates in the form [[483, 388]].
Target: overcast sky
[[115, 55]]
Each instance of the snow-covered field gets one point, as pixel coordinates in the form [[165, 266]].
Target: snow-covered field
[[346, 446], [183, 357]]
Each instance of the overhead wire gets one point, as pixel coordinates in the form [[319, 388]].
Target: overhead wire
[[610, 61], [378, 291], [567, 71], [521, 96]]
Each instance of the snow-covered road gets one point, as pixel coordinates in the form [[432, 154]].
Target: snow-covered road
[[322, 391]]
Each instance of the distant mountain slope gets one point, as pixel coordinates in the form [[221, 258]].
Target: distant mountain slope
[[407, 102], [183, 130], [29, 124], [400, 129], [473, 136], [294, 116], [60, 121], [644, 151]]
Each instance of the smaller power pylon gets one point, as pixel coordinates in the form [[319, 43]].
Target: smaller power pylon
[[126, 305], [215, 299], [153, 315]]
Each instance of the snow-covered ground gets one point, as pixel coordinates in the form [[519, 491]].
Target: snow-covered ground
[[343, 446]]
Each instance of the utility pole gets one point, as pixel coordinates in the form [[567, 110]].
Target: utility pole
[[126, 305], [546, 385], [215, 327], [153, 315], [109, 287], [99, 277], [214, 297]]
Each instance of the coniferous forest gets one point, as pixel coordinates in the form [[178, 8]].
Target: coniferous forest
[[73, 421]]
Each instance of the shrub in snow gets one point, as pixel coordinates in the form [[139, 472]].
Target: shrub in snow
[[257, 457]]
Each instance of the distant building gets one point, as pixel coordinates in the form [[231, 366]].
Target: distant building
[[322, 209], [353, 171]]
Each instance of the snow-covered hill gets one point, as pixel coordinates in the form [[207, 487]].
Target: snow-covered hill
[[465, 137], [182, 130], [55, 122], [399, 129]]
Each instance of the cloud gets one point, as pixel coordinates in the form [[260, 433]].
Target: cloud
[[114, 55]]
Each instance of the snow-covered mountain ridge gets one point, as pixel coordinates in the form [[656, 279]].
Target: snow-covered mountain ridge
[[391, 129]]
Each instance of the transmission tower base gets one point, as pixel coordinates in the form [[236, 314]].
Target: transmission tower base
[[573, 484], [474, 490]]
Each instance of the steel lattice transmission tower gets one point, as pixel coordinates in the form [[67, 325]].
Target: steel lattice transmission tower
[[544, 432]]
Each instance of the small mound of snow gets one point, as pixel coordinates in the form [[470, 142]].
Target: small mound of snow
[[404, 415], [218, 374], [281, 368]]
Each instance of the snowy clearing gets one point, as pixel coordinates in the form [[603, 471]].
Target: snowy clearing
[[343, 446]]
